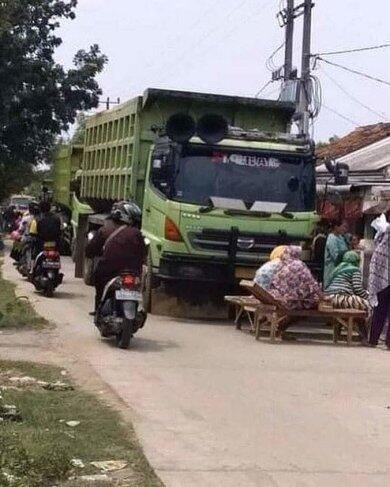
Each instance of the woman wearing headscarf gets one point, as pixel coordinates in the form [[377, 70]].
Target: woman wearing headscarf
[[293, 283], [379, 287], [346, 284], [266, 272], [335, 248]]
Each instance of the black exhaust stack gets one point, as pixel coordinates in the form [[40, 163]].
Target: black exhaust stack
[[211, 128]]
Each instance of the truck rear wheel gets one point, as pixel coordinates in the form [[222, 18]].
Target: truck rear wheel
[[148, 282], [88, 265], [73, 250]]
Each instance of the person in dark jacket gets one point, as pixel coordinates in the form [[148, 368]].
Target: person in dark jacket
[[47, 229], [48, 225], [119, 244]]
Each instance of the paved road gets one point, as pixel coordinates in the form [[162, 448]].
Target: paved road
[[212, 407]]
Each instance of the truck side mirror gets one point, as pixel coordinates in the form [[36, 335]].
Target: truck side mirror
[[162, 173]]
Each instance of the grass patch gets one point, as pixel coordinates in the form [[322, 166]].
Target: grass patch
[[16, 312], [38, 450]]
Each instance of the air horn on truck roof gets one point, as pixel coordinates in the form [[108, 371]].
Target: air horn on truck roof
[[211, 128]]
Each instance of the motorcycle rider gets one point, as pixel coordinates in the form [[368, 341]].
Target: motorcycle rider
[[48, 229], [120, 246], [28, 229]]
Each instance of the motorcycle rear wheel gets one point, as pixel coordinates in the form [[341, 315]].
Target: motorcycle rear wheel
[[49, 291], [124, 337]]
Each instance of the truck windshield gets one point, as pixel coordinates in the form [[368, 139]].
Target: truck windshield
[[250, 176]]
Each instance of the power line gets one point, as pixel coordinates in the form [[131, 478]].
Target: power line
[[344, 117], [354, 71], [203, 14], [270, 65], [356, 100], [347, 51], [263, 88], [226, 35], [202, 38]]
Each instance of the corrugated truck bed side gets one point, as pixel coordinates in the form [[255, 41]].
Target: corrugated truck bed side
[[112, 161]]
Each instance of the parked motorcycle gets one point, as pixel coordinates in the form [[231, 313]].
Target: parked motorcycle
[[46, 275], [120, 312]]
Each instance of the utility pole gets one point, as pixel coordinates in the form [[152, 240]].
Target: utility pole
[[305, 89], [288, 55], [108, 102]]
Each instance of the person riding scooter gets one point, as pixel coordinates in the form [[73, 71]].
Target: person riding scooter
[[48, 229], [119, 244], [28, 228]]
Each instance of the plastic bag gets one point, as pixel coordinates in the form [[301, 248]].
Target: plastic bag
[[380, 224]]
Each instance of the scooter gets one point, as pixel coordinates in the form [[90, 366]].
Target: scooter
[[120, 312], [46, 275]]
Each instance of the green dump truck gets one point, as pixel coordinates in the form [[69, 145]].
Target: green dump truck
[[65, 187], [219, 179]]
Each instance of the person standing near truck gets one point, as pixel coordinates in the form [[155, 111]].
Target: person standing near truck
[[335, 248], [379, 282]]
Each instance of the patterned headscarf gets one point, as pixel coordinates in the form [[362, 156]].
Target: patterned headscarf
[[380, 267], [292, 252]]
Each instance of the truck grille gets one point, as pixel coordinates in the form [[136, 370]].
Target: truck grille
[[243, 248]]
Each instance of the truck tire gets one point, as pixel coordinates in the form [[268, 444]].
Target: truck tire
[[73, 250], [88, 265], [148, 283]]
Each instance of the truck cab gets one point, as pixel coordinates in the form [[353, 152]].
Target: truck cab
[[214, 212]]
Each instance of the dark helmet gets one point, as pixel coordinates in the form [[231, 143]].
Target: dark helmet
[[45, 206], [126, 212], [33, 208]]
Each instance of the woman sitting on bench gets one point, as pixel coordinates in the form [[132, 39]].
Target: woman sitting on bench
[[346, 284], [266, 272], [293, 284]]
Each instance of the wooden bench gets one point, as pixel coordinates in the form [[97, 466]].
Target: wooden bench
[[271, 311], [243, 305]]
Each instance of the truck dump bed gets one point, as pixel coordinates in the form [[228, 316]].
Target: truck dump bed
[[68, 161], [118, 141]]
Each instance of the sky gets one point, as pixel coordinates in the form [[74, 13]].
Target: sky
[[221, 46]]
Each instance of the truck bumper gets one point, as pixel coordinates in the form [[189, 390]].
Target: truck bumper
[[190, 268]]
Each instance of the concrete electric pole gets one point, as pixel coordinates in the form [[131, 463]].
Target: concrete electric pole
[[298, 90], [305, 91], [288, 57]]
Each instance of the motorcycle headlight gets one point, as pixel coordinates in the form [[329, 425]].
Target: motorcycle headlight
[[90, 236]]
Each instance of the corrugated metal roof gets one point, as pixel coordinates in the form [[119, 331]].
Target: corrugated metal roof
[[374, 157]]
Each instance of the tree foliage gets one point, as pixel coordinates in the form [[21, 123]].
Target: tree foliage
[[39, 98], [14, 178], [79, 134]]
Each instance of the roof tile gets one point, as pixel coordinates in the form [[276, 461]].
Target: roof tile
[[359, 138]]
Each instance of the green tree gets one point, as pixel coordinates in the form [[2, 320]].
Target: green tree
[[14, 178], [78, 136], [39, 98]]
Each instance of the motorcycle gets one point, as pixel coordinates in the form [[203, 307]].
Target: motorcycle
[[46, 275], [120, 312]]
